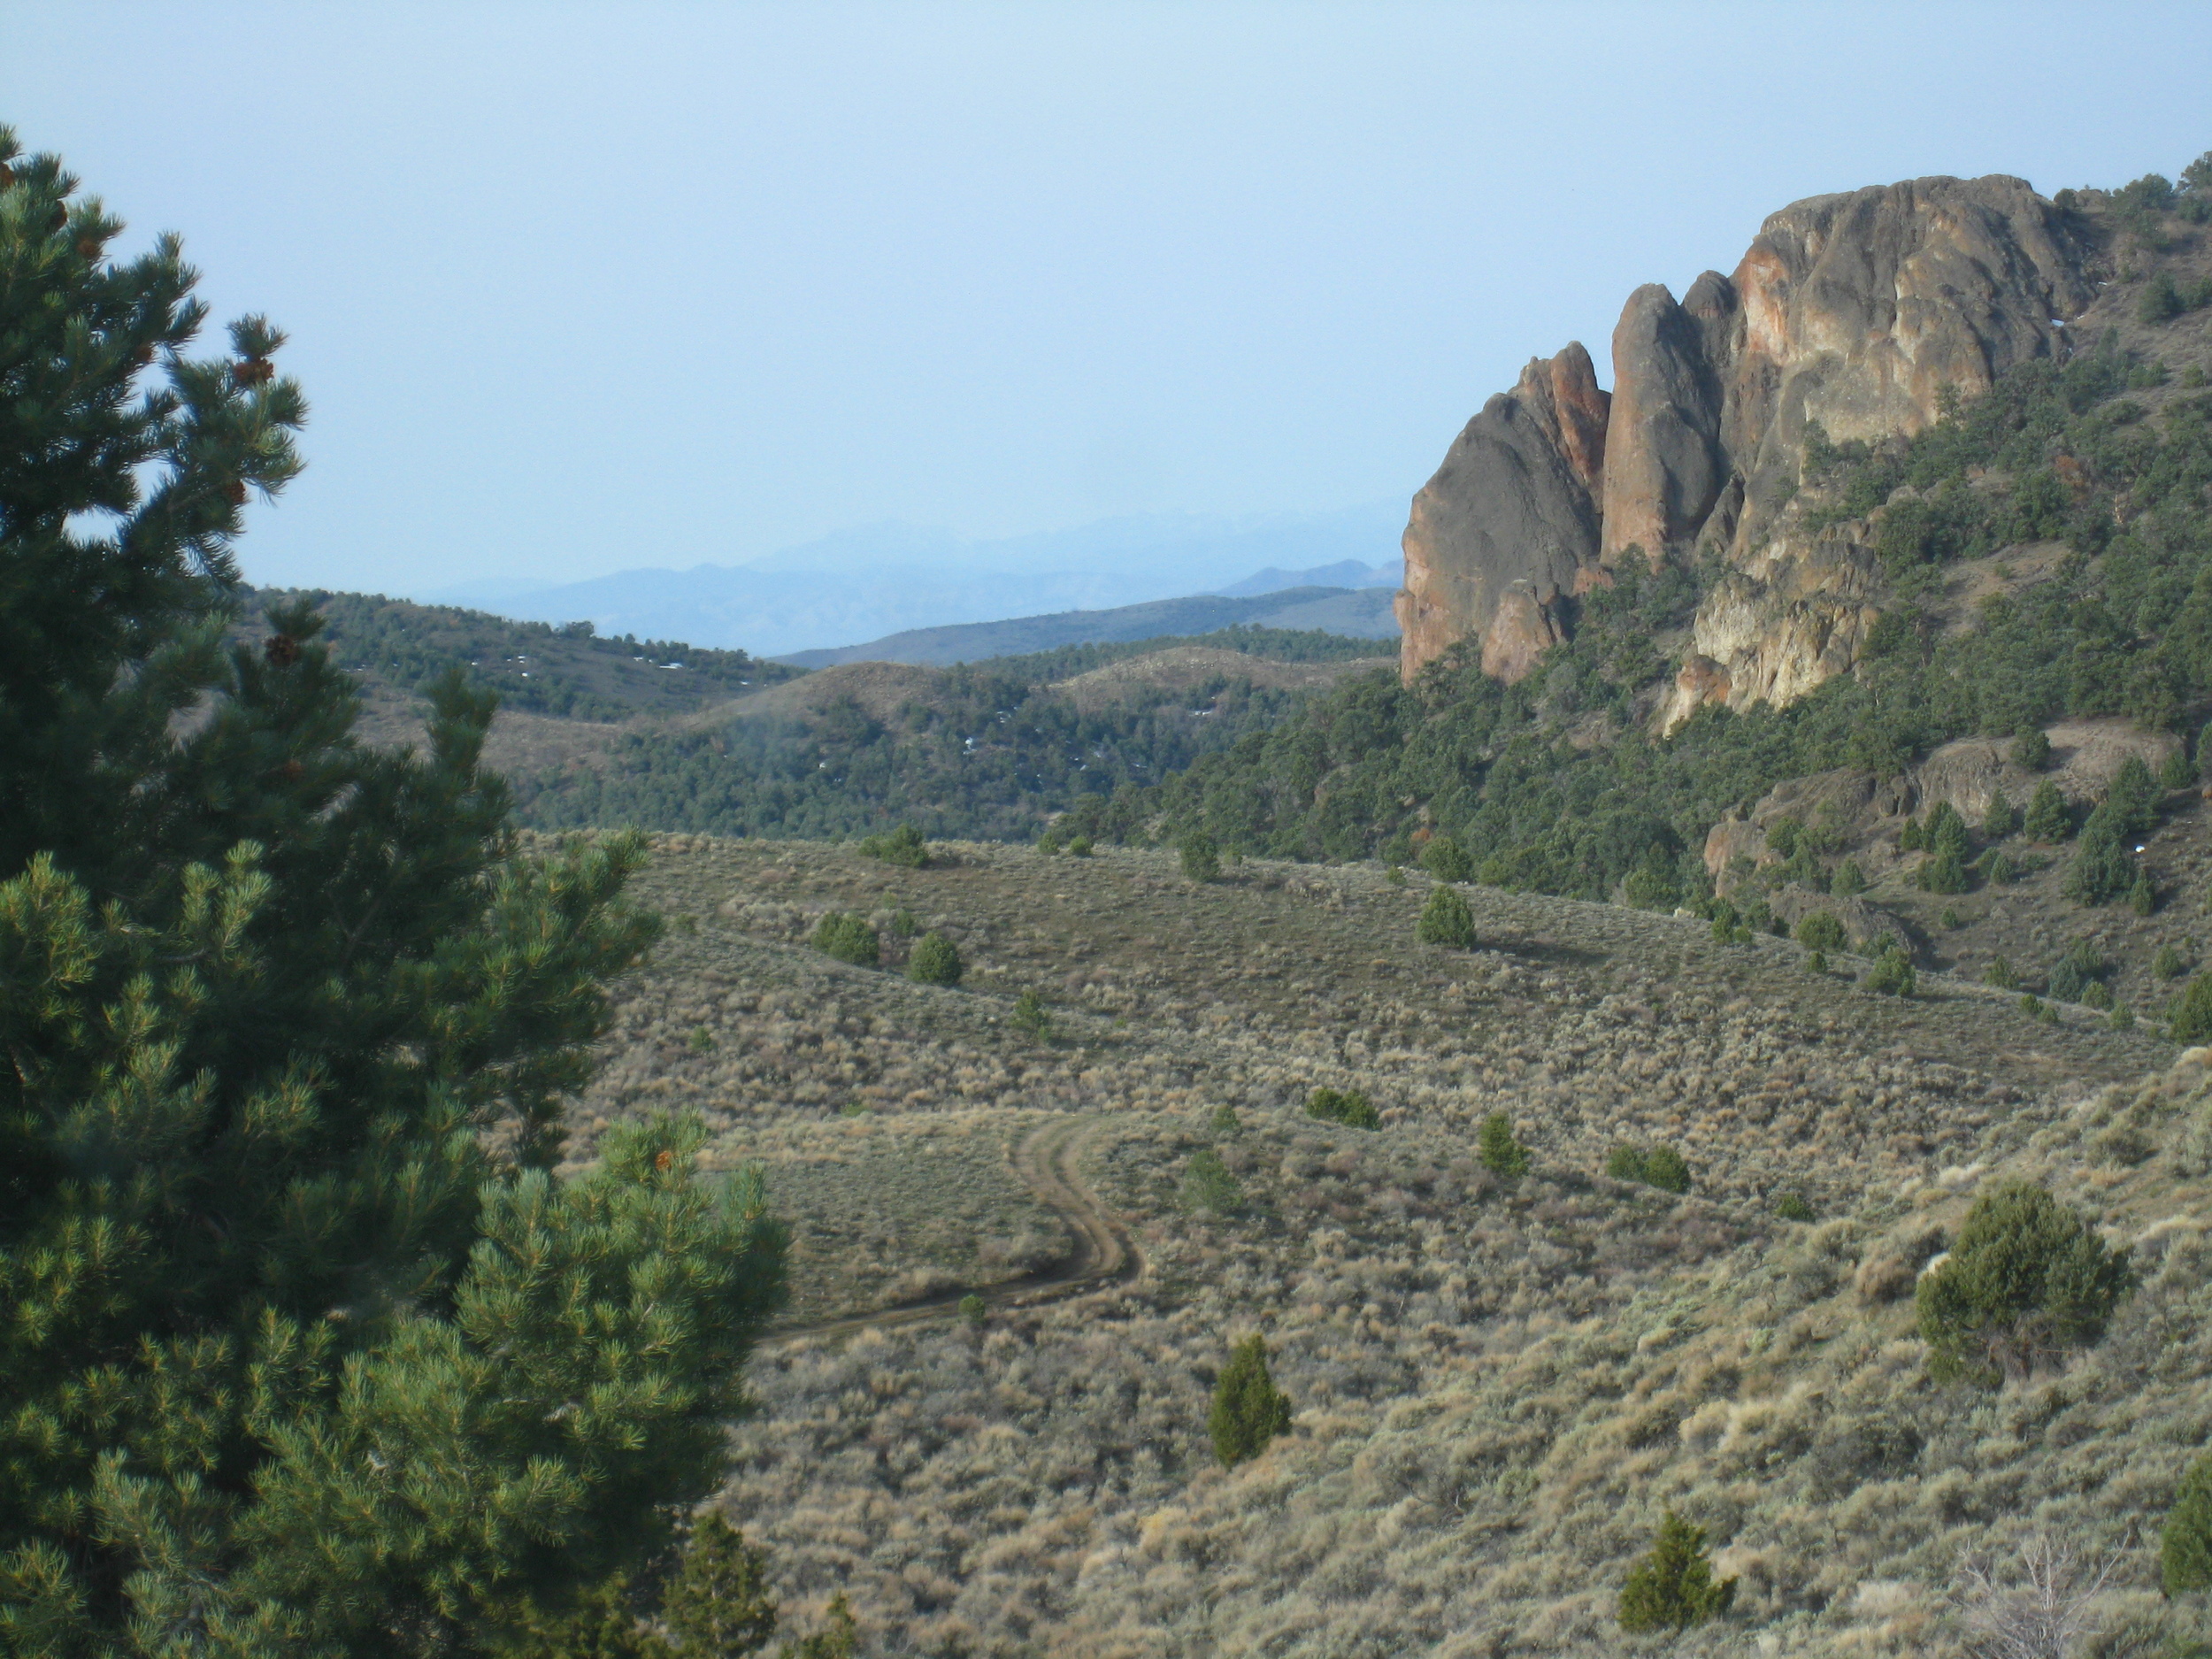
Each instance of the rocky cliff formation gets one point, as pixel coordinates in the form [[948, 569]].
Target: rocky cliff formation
[[1853, 310], [1510, 520]]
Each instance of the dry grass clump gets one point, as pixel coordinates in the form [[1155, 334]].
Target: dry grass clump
[[1498, 1386]]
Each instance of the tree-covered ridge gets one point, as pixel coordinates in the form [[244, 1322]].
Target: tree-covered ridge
[[1557, 785], [986, 755], [567, 671]]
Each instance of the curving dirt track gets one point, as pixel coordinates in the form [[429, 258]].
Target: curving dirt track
[[1101, 1251]]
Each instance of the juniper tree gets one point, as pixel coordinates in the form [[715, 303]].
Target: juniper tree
[[1248, 1411], [304, 1349]]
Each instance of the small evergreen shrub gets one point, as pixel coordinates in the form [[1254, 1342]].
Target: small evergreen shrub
[[1848, 879], [1951, 919], [1672, 1588], [700, 1040], [1818, 962], [1248, 1411], [2167, 964], [903, 845], [2000, 869], [2122, 1018], [1079, 847], [904, 925], [1225, 1121], [1792, 1206], [974, 1310], [1200, 856], [2001, 974], [2097, 995], [2049, 818], [2027, 1278], [1348, 1107], [1501, 1155], [718, 1601], [2185, 1546], [2031, 749], [2192, 1011], [1446, 860], [2142, 897], [1031, 1017], [2066, 981], [2001, 820], [1664, 1169], [1893, 974], [2176, 773], [1209, 1186], [848, 937], [1446, 920], [1394, 875], [934, 961]]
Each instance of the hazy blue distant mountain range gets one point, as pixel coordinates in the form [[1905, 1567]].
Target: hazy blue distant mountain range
[[893, 579], [1363, 613]]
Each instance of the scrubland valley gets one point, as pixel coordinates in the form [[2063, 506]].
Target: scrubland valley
[[1498, 1385]]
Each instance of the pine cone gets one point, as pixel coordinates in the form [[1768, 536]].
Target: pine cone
[[282, 649], [235, 492], [251, 372]]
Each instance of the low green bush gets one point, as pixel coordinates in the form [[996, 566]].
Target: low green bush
[[1209, 1186], [1848, 879], [848, 938], [934, 961], [1792, 1206], [903, 845], [1672, 1587], [1201, 856], [1031, 1017], [2168, 963], [1501, 1155], [1348, 1107], [1446, 920], [1662, 1167], [2192, 1011], [2032, 750], [1248, 1411], [1893, 974], [2001, 973], [2027, 1279], [1821, 930], [1446, 860], [2185, 1546], [973, 1310]]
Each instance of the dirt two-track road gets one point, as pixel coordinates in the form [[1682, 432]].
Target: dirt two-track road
[[1101, 1250]]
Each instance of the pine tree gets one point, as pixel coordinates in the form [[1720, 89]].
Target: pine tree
[[1446, 920], [303, 1349], [1248, 1411], [1672, 1587], [1501, 1155], [935, 960], [2049, 818], [718, 1603], [2185, 1546]]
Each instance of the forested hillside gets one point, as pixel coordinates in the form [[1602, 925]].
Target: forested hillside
[[2045, 555], [394, 647], [988, 750]]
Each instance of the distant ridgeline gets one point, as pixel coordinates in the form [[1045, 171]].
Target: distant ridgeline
[[2038, 552], [538, 668], [984, 750]]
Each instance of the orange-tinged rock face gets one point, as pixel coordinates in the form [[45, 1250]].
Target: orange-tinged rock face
[[1854, 310]]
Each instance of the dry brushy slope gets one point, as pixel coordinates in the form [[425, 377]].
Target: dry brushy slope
[[1497, 1388]]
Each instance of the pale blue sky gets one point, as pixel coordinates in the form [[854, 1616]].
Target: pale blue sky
[[575, 288]]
